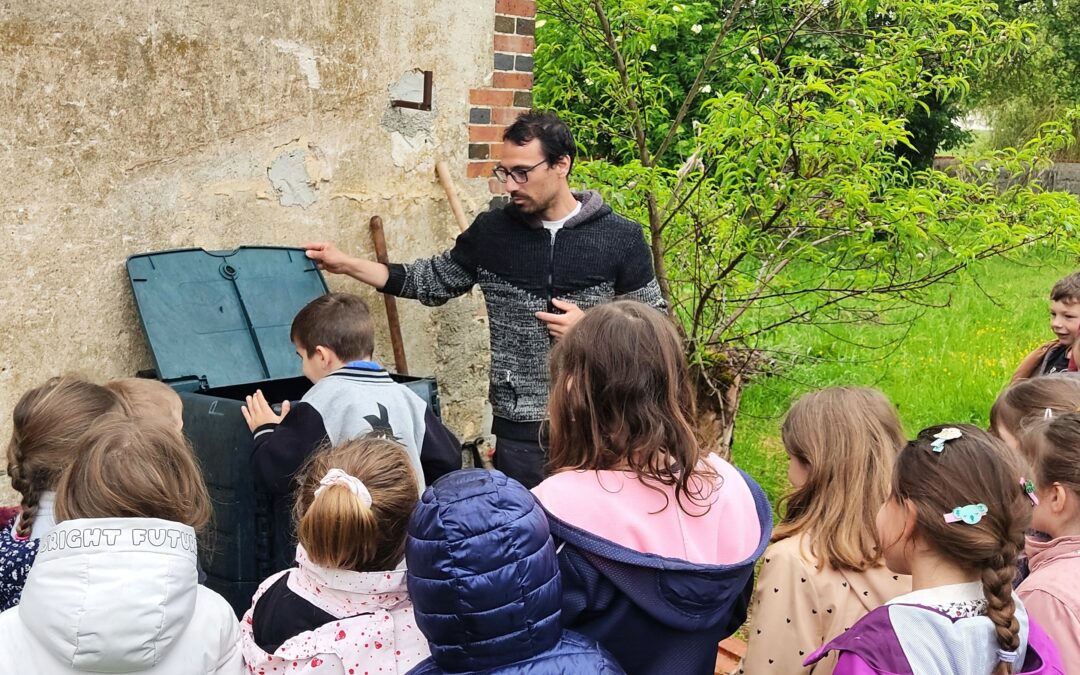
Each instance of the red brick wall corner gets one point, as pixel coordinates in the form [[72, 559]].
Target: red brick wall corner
[[493, 108]]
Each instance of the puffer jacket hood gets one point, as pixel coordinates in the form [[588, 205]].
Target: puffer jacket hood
[[483, 574], [120, 595]]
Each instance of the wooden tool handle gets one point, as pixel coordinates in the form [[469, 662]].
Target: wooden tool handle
[[443, 172], [379, 239]]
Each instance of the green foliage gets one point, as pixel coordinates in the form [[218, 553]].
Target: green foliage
[[943, 365], [1039, 82], [777, 196]]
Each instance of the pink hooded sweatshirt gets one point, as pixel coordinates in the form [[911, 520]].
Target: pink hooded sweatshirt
[[1051, 595], [376, 633]]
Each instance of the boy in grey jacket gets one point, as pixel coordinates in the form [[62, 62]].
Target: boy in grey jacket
[[352, 396]]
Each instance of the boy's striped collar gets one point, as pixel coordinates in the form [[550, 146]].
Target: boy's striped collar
[[362, 370]]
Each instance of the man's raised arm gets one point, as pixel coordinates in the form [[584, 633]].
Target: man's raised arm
[[332, 259]]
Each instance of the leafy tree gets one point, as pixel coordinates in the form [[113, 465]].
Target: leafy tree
[[759, 142], [1039, 82]]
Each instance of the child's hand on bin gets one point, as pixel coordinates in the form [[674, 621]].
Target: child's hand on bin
[[258, 412]]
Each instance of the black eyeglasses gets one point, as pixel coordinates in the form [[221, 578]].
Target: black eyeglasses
[[520, 176]]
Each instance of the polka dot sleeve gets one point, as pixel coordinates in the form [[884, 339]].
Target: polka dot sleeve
[[785, 617]]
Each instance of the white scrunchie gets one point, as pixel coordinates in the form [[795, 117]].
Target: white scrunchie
[[1006, 656], [339, 477]]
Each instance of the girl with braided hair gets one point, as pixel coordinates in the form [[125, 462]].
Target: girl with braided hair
[[955, 522], [47, 422]]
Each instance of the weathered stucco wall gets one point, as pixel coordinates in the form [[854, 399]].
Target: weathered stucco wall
[[142, 126]]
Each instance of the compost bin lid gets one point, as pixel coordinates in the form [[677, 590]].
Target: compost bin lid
[[220, 318]]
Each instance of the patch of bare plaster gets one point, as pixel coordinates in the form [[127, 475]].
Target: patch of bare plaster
[[305, 58], [296, 173], [412, 141], [415, 153]]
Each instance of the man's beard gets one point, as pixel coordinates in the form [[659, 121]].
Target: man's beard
[[529, 206]]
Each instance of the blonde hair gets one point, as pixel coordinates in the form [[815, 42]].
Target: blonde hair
[[1026, 402], [146, 397], [848, 438], [47, 423], [134, 468], [340, 531]]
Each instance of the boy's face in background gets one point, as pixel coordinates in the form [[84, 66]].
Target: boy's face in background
[[1065, 321]]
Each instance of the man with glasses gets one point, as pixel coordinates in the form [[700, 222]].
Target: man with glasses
[[540, 260]]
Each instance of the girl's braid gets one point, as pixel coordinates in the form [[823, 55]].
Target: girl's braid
[[24, 484], [997, 580]]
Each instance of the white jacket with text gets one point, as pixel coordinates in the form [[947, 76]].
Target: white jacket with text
[[118, 595]]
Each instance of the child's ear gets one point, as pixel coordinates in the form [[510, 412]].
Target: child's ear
[[322, 355], [1061, 499], [911, 520]]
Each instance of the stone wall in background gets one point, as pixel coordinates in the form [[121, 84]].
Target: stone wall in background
[[1062, 176], [143, 126]]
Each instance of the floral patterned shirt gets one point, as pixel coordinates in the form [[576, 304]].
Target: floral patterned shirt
[[16, 558]]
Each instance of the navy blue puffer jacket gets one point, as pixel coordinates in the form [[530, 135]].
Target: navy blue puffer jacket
[[484, 582]]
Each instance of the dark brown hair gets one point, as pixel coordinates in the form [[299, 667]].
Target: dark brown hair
[[976, 468], [850, 437], [556, 141], [1067, 289], [621, 398], [134, 468], [1026, 402], [47, 423], [340, 531], [341, 322], [1055, 445]]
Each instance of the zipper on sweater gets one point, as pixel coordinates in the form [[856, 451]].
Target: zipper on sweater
[[551, 274]]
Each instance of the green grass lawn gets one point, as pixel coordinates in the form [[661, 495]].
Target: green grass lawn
[[945, 365]]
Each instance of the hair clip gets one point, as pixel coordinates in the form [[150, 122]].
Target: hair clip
[[1048, 414], [1029, 490], [970, 514], [946, 434]]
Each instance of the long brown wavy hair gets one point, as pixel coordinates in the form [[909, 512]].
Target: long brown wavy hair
[[848, 438], [621, 399], [977, 468]]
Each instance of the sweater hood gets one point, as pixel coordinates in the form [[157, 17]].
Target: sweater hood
[[592, 207], [1042, 553], [483, 574], [681, 594], [111, 595]]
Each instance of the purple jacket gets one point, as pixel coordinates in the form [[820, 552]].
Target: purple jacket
[[902, 639]]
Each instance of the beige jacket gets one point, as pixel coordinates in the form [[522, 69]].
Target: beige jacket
[[797, 608]]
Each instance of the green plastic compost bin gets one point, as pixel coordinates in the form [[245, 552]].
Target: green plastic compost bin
[[217, 323]]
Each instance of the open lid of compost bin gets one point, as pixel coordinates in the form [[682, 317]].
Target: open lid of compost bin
[[220, 318]]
